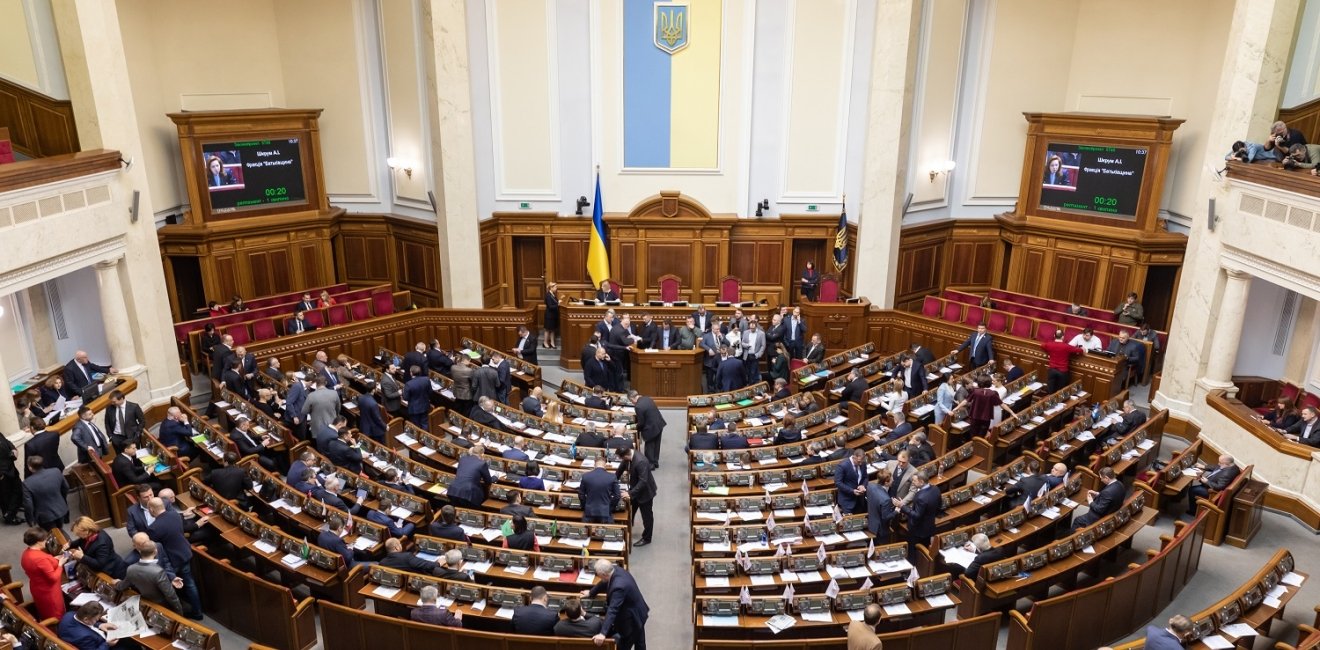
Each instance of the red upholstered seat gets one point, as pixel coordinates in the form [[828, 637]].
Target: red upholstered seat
[[240, 333], [338, 314], [829, 289], [1104, 339], [930, 307], [1045, 331], [974, 315], [1309, 399], [361, 309], [952, 312], [382, 303], [669, 288], [730, 289], [997, 321], [1069, 333], [794, 364], [263, 329], [1021, 326], [315, 317], [1289, 392]]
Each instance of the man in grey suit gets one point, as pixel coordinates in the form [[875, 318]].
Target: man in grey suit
[[900, 473], [391, 391], [321, 406], [150, 580], [753, 350], [879, 506], [88, 438], [45, 495]]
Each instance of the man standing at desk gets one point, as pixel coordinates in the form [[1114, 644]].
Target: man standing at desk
[[850, 483], [710, 360], [650, 426], [417, 398], [526, 347], [87, 438], [628, 611], [599, 493], [982, 346], [753, 350], [80, 373], [795, 332]]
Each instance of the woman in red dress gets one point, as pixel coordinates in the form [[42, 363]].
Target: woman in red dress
[[981, 407], [45, 573], [325, 300]]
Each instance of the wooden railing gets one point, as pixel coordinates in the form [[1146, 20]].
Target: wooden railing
[[38, 125]]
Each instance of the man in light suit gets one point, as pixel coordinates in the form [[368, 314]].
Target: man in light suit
[[321, 406], [753, 350], [879, 507], [124, 419], [1102, 503], [710, 360], [861, 634], [599, 492], [900, 477], [1217, 478], [850, 483], [982, 346], [87, 438]]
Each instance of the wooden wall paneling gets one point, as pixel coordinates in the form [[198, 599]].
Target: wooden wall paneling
[[742, 260], [491, 262], [710, 276], [418, 271], [225, 277], [528, 270], [54, 128], [39, 126], [1118, 278], [14, 118], [1033, 270], [625, 266], [1062, 272], [313, 259], [570, 262], [665, 258]]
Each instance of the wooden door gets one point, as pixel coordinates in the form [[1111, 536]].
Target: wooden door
[[528, 270]]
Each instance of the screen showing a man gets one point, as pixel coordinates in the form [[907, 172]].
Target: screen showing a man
[[224, 170], [1060, 174]]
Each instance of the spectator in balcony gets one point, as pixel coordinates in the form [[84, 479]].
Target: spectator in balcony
[[1075, 309], [324, 300], [1130, 312], [236, 305], [1248, 152], [1282, 416], [1302, 156], [1282, 139]]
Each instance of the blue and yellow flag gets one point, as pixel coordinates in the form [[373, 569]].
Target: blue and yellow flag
[[598, 250], [841, 241]]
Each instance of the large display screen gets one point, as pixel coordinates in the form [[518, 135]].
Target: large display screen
[[253, 173], [1092, 178]]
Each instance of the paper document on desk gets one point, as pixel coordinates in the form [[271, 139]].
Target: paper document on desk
[[127, 618], [1292, 578], [385, 592], [900, 609], [1238, 630], [762, 580], [1216, 642], [941, 600], [957, 555], [780, 622], [717, 581], [719, 621], [361, 543], [817, 617]]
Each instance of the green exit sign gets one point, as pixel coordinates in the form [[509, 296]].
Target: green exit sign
[[812, 207], [524, 206]]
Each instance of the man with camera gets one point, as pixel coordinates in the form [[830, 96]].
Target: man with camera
[[1282, 139]]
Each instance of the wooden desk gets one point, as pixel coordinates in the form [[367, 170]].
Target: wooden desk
[[576, 321], [65, 424], [668, 376]]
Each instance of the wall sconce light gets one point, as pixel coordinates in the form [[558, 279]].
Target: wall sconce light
[[938, 168], [400, 163]]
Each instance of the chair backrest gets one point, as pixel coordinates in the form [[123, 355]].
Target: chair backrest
[[338, 314], [382, 303], [974, 315], [829, 289], [263, 329], [730, 289], [315, 317], [240, 333], [361, 309], [930, 307], [997, 321], [669, 287], [1021, 326], [952, 312]]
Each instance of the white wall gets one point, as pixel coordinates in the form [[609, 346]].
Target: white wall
[[80, 301], [1263, 350], [1303, 82]]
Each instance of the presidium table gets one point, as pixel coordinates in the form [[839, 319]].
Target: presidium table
[[668, 376]]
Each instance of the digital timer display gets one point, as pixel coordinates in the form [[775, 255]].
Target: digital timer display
[[1092, 179], [253, 173]]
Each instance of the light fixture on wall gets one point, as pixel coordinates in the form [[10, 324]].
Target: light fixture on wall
[[943, 167], [397, 164]]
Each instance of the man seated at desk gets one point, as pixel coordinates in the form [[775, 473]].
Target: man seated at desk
[[1216, 478], [80, 373], [606, 292], [128, 468]]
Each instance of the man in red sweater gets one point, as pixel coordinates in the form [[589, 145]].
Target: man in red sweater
[[1060, 355]]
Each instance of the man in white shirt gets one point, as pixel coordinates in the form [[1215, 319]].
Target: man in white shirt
[[1087, 341], [753, 350]]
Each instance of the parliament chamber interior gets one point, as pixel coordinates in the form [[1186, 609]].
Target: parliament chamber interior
[[690, 324]]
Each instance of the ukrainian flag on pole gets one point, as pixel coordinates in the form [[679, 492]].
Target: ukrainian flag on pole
[[598, 251]]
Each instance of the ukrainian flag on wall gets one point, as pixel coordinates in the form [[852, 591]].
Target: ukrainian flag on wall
[[671, 83]]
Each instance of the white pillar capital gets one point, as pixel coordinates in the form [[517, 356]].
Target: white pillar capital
[[1236, 274], [107, 265]]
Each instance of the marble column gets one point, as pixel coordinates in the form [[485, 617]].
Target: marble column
[[1297, 362], [453, 162], [114, 315], [8, 414], [1256, 55], [40, 328], [1228, 330], [888, 130]]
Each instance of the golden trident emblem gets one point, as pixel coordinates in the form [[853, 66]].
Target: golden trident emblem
[[671, 26]]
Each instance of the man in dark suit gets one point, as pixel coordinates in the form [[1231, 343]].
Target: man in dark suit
[[1057, 474], [525, 348], [1132, 418], [417, 397], [504, 371], [250, 443], [330, 540], [814, 353], [985, 553], [664, 337], [982, 346], [298, 324], [247, 370], [229, 480], [166, 529], [921, 511], [1305, 430], [596, 400], [1012, 372], [854, 389], [702, 439], [397, 558], [879, 507], [219, 356], [605, 324], [124, 419], [80, 373], [45, 495], [795, 333], [471, 479], [531, 404], [1133, 354], [732, 440], [701, 319], [1102, 503], [535, 618], [599, 371], [647, 331], [628, 611], [650, 426], [1216, 478], [850, 483], [135, 516], [589, 437], [621, 336], [272, 369], [729, 375], [381, 515], [45, 444], [919, 449], [599, 492], [922, 354], [641, 490], [232, 378], [343, 452], [781, 390], [429, 609], [306, 304], [913, 374], [710, 358], [84, 628], [438, 360], [127, 469], [1171, 637], [618, 439], [87, 438], [606, 292], [1031, 484], [416, 357], [483, 413]]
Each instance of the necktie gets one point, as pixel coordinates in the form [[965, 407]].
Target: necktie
[[119, 422], [97, 435], [83, 368], [977, 343]]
